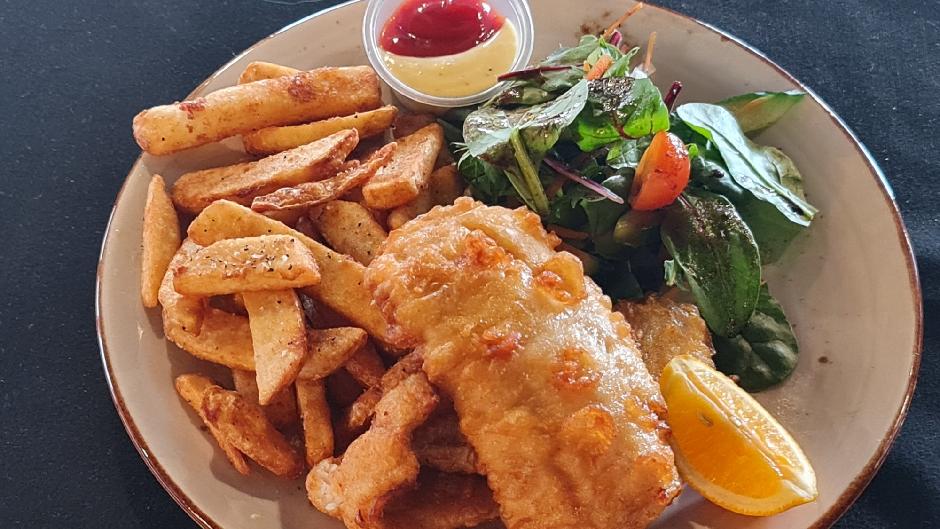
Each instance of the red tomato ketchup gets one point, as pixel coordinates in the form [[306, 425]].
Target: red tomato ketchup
[[434, 28]]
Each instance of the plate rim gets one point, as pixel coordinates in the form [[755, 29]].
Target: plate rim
[[827, 519]]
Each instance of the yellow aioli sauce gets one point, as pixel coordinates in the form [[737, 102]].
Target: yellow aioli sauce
[[462, 74]]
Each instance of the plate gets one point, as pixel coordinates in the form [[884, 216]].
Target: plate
[[850, 285]]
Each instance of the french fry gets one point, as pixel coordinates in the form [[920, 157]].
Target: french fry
[[329, 349], [244, 181], [366, 366], [444, 186], [192, 388], [245, 427], [287, 216], [407, 123], [160, 240], [400, 181], [315, 417], [281, 411], [180, 312], [302, 97], [279, 339], [276, 139], [341, 286], [314, 193], [349, 228], [223, 339], [247, 264], [305, 225], [341, 390], [260, 70]]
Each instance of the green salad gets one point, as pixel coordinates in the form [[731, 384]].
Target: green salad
[[649, 194]]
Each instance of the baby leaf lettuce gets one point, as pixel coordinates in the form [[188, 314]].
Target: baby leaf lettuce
[[758, 110], [765, 352], [515, 141], [618, 107], [715, 257], [751, 166]]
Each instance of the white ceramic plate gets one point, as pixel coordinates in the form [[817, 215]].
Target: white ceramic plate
[[850, 287]]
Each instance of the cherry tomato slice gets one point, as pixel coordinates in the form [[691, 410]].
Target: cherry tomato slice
[[662, 174]]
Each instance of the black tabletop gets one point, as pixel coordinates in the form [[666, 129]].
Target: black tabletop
[[73, 74]]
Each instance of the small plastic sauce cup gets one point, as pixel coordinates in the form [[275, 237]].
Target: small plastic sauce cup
[[379, 11]]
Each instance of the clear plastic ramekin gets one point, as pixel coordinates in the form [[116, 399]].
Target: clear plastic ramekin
[[378, 13]]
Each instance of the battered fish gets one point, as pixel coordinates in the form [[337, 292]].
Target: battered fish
[[550, 389], [665, 329]]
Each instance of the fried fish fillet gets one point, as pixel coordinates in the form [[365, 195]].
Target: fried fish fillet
[[550, 389], [665, 329]]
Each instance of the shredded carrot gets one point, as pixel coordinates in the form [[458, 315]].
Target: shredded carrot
[[648, 61], [601, 66], [567, 233], [586, 66], [623, 18]]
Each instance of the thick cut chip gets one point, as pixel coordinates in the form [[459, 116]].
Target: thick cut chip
[[192, 388], [378, 463], [314, 193], [349, 228], [366, 366], [299, 98], [248, 264], [276, 139], [244, 425], [341, 287], [223, 339], [402, 179], [260, 70], [407, 123], [160, 240], [244, 181], [444, 187], [329, 349], [315, 416], [281, 411], [442, 501], [665, 329], [279, 339], [180, 312]]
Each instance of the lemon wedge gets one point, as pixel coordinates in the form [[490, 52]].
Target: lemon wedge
[[728, 447]]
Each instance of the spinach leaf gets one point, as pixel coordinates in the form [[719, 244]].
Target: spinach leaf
[[772, 230], [627, 153], [765, 352], [716, 256], [517, 140], [758, 110], [751, 166]]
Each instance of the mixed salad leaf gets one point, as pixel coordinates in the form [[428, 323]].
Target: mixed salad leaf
[[649, 197]]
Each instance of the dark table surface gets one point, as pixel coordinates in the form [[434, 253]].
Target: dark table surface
[[72, 74]]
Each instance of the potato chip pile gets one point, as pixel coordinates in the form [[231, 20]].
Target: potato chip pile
[[269, 283]]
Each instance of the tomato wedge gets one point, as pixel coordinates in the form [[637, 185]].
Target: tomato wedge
[[662, 174]]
